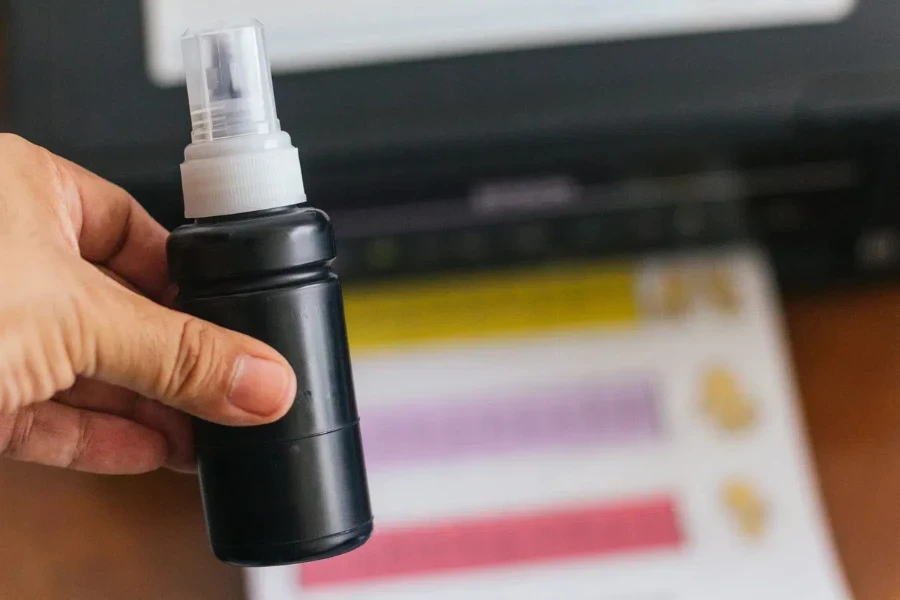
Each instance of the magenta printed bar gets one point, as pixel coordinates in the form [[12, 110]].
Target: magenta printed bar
[[639, 525], [620, 412]]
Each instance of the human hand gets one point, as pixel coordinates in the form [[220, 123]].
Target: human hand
[[95, 371]]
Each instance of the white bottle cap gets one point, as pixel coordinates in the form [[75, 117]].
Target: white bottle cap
[[239, 159]]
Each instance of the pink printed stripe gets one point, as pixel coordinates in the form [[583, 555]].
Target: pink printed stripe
[[559, 416], [642, 525]]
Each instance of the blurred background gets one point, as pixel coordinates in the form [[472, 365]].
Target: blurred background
[[470, 140]]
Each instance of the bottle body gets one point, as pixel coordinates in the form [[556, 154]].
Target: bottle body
[[294, 490]]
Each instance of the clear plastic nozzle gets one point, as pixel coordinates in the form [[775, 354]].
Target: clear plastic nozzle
[[229, 82]]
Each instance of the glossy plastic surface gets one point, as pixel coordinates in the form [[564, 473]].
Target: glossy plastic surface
[[294, 490]]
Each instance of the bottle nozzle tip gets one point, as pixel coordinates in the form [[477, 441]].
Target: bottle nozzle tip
[[229, 82]]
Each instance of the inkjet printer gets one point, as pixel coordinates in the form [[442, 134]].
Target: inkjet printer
[[484, 133]]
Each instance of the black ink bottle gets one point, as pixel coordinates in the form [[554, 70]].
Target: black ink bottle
[[256, 261]]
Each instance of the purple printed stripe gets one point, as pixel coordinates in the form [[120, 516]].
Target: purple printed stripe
[[553, 417]]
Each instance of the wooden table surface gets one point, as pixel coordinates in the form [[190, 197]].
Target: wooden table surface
[[66, 536]]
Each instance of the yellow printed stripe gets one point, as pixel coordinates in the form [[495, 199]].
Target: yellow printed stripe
[[486, 305]]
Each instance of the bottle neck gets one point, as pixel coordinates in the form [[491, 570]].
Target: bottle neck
[[241, 174], [254, 214]]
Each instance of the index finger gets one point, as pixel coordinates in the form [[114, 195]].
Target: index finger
[[118, 233]]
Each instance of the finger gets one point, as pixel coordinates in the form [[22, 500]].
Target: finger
[[184, 362], [166, 299], [174, 425], [117, 232], [61, 436]]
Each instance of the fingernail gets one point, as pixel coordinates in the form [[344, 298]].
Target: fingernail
[[261, 387]]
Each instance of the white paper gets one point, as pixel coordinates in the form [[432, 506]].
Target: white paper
[[306, 34], [688, 460]]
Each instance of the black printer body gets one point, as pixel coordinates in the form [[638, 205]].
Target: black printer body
[[786, 134]]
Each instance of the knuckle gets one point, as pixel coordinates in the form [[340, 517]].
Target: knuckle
[[12, 141], [17, 148], [78, 323], [83, 441], [18, 389], [22, 427], [35, 363], [9, 397], [194, 367], [45, 368]]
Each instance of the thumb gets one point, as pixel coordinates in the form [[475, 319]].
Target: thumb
[[185, 362]]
